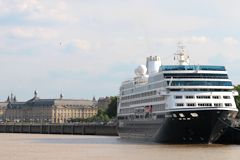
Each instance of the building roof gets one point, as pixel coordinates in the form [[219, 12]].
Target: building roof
[[37, 102], [74, 102]]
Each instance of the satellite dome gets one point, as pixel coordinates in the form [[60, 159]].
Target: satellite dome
[[141, 70]]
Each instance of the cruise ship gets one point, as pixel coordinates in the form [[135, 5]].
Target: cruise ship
[[180, 103]]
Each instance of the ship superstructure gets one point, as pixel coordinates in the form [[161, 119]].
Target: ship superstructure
[[176, 103]]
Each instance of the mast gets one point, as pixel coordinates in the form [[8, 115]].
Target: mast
[[181, 55]]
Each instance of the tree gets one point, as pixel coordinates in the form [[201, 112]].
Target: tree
[[102, 116], [237, 98], [112, 108]]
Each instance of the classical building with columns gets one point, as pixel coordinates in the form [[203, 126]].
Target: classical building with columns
[[2, 110], [46, 110]]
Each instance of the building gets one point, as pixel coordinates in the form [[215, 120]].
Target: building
[[46, 110], [3, 106], [103, 102]]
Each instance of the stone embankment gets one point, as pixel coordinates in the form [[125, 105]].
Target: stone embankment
[[230, 136], [81, 129]]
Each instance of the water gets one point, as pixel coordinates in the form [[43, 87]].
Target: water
[[76, 147]]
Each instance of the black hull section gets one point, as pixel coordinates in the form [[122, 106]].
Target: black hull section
[[202, 126], [230, 136]]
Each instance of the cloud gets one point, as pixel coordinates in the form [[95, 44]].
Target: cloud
[[32, 33], [198, 40], [230, 41], [81, 44], [188, 40], [36, 10], [54, 45]]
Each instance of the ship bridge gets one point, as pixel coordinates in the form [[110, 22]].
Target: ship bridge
[[196, 77], [191, 68]]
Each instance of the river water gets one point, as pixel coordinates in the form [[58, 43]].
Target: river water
[[77, 147]]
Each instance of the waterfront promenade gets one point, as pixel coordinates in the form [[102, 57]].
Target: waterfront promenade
[[80, 147]]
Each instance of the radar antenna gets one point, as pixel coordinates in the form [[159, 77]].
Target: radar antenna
[[181, 55]]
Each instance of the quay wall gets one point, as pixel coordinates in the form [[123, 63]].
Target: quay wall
[[231, 135], [80, 129]]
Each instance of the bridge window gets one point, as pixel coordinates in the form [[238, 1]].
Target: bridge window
[[200, 83], [195, 75], [191, 67], [228, 104], [191, 104]]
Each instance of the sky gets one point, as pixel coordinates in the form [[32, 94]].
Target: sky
[[86, 48]]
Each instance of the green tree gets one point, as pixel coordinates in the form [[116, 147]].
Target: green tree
[[112, 108], [101, 116], [237, 98]]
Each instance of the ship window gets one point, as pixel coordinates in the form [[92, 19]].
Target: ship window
[[179, 104], [204, 104], [191, 104], [160, 116], [200, 83], [203, 97], [216, 97], [194, 114], [192, 67], [217, 104], [228, 104], [226, 97], [181, 115], [158, 107], [149, 86], [120, 117], [196, 75], [189, 97], [178, 97]]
